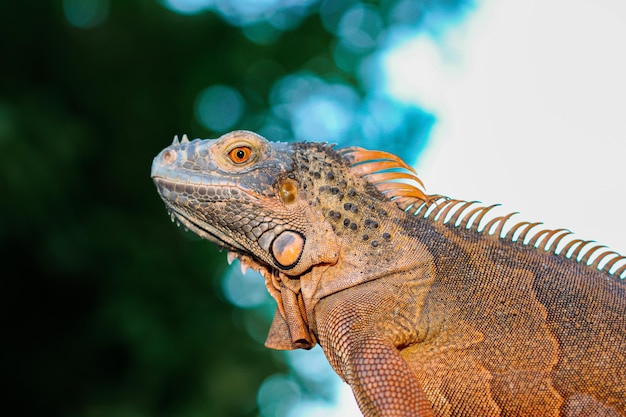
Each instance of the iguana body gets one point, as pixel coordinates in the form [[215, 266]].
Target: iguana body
[[417, 303]]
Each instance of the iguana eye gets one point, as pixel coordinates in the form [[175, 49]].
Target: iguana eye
[[240, 154]]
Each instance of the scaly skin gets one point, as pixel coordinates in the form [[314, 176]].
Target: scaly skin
[[421, 316]]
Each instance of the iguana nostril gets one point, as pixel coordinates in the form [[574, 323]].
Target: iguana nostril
[[287, 248], [169, 156]]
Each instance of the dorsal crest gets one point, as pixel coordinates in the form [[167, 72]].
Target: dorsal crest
[[389, 174], [470, 215], [400, 183]]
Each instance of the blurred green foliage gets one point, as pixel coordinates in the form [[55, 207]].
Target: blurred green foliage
[[109, 309]]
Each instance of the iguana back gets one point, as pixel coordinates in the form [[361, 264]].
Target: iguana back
[[419, 302]]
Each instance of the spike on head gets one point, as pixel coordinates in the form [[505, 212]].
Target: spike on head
[[175, 141], [185, 139]]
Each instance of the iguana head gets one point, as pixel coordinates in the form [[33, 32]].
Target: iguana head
[[244, 193], [284, 208]]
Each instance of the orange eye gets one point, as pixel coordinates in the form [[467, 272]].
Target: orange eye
[[240, 154]]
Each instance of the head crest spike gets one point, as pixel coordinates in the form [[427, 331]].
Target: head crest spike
[[185, 139], [175, 141]]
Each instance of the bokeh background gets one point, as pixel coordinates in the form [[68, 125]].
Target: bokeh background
[[109, 309]]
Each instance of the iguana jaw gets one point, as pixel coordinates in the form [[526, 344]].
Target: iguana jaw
[[204, 230], [221, 239]]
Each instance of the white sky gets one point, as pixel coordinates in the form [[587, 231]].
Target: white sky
[[530, 97]]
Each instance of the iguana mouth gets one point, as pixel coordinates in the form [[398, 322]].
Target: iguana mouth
[[176, 207], [213, 227], [222, 240], [200, 228], [218, 191], [247, 262]]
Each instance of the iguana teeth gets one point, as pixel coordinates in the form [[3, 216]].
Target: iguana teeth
[[230, 257], [185, 139], [244, 268], [172, 217]]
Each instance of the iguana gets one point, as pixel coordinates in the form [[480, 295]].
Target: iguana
[[423, 304]]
